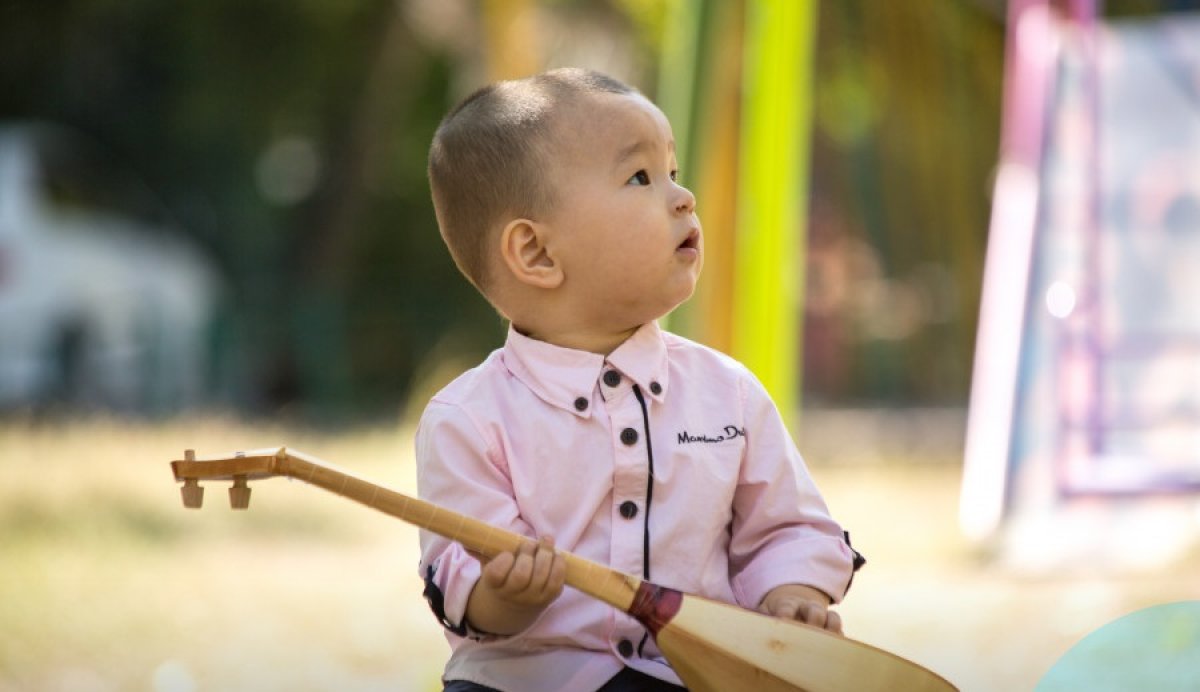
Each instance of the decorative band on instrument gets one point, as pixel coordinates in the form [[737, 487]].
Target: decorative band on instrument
[[654, 606]]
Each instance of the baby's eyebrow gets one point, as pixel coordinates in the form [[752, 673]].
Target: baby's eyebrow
[[641, 145], [630, 150]]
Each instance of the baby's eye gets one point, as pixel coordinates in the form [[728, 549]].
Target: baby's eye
[[640, 178], [675, 175]]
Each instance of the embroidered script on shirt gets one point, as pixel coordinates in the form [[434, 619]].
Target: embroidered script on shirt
[[730, 432]]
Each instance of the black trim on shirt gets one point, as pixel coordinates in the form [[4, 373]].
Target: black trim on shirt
[[858, 562], [437, 603], [637, 392]]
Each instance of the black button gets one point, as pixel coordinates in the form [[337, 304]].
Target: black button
[[629, 509], [625, 648], [629, 436], [612, 378], [581, 404], [655, 388]]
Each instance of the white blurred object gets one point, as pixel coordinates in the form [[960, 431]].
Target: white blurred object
[[1060, 299], [96, 309]]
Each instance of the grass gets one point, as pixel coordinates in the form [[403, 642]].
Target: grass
[[107, 583]]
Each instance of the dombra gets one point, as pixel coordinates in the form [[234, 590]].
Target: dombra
[[713, 646]]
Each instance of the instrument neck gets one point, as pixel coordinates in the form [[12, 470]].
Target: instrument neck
[[599, 581]]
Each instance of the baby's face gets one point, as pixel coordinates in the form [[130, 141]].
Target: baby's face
[[627, 231]]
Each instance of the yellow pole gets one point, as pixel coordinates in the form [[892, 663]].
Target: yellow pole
[[773, 194], [715, 175]]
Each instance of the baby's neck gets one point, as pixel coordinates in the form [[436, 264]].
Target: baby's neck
[[594, 341]]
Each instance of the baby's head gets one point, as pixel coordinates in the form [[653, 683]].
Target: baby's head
[[490, 158], [535, 180]]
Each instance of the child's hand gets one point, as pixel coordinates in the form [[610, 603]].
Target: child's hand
[[803, 603], [531, 577], [514, 588]]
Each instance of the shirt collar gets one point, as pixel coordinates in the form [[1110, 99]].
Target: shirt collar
[[560, 376], [643, 359]]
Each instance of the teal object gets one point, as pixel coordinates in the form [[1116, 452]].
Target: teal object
[[1154, 649]]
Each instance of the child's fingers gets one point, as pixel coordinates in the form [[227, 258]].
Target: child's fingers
[[496, 570], [543, 561], [533, 574], [818, 615], [811, 614], [786, 608], [833, 621], [808, 612], [522, 569], [558, 576]]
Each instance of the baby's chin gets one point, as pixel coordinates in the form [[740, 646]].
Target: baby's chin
[[634, 311], [682, 299]]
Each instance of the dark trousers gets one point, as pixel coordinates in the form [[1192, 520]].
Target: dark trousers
[[628, 680]]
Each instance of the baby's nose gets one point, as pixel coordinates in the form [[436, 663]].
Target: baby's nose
[[686, 203]]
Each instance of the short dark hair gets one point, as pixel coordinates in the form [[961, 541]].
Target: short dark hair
[[488, 157]]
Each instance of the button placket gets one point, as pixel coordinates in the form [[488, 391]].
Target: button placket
[[630, 474]]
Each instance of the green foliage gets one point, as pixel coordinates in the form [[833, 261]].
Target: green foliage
[[192, 94], [907, 129]]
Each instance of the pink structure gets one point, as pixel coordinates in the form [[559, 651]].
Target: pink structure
[[1086, 390]]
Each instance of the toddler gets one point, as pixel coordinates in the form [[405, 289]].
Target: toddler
[[592, 430]]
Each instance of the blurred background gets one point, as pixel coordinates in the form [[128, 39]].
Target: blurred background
[[215, 233], [249, 179]]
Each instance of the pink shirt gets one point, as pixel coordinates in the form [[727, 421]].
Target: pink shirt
[[540, 439]]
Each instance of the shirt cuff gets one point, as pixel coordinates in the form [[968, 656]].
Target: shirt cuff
[[825, 564], [449, 581]]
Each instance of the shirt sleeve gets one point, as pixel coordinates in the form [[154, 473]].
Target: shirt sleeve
[[457, 468], [782, 532]]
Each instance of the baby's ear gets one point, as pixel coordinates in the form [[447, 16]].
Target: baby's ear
[[526, 254]]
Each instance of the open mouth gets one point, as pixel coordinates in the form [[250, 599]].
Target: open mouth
[[692, 241]]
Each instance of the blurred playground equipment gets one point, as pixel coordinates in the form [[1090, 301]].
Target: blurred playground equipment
[[97, 309], [1083, 433]]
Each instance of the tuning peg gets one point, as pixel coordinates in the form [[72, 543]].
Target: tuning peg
[[239, 494], [193, 493]]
